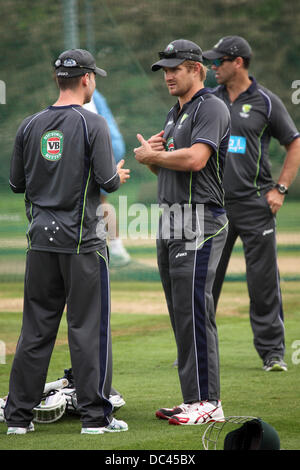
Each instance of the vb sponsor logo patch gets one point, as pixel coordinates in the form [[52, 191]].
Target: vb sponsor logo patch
[[52, 145], [170, 145]]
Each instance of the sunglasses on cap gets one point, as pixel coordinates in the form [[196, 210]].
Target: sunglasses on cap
[[175, 54], [70, 63], [219, 62]]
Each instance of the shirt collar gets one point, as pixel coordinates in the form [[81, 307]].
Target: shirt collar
[[253, 85], [249, 90], [200, 92]]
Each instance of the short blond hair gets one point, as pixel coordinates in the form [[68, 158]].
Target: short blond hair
[[191, 64]]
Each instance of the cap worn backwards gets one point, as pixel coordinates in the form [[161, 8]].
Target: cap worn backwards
[[229, 45], [76, 62], [176, 53]]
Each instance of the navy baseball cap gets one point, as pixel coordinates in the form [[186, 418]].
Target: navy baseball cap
[[76, 62], [229, 45], [177, 52]]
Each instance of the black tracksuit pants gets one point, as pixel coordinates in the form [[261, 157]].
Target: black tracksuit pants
[[187, 271], [253, 221], [82, 282]]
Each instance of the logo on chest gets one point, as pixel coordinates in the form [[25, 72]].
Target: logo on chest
[[183, 118], [170, 145], [245, 113]]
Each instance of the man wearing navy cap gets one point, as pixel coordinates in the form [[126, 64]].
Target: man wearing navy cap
[[252, 198], [188, 158], [61, 158]]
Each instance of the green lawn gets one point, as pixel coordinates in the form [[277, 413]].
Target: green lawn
[[144, 351]]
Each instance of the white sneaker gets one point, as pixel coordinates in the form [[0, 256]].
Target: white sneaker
[[116, 425], [117, 401], [118, 255], [199, 413], [12, 430], [92, 431], [167, 413], [275, 365]]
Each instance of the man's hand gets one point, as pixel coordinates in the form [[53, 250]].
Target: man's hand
[[192, 158], [275, 200], [123, 172], [144, 153], [157, 142]]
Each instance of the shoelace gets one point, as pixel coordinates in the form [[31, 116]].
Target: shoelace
[[186, 407], [189, 406]]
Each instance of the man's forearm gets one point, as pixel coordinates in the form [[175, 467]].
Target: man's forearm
[[291, 164], [287, 175], [185, 159], [192, 158], [179, 160]]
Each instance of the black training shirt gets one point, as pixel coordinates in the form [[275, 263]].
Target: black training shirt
[[256, 116], [62, 156], [204, 119]]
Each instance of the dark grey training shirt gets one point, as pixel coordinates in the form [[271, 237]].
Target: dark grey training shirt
[[256, 116], [61, 158], [204, 119]]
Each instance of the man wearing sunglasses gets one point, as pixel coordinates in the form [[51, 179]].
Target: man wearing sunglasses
[[252, 199], [188, 158], [61, 158]]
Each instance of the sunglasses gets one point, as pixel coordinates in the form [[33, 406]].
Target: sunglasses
[[174, 54], [219, 62], [70, 63]]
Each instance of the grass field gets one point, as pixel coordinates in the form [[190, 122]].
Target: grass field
[[144, 348], [144, 351]]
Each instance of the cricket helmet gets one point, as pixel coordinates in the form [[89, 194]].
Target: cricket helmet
[[51, 408]]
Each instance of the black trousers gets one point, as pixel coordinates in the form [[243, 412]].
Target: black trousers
[[253, 221], [81, 282], [187, 271]]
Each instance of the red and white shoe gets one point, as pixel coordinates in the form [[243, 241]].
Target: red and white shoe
[[167, 413], [202, 412]]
